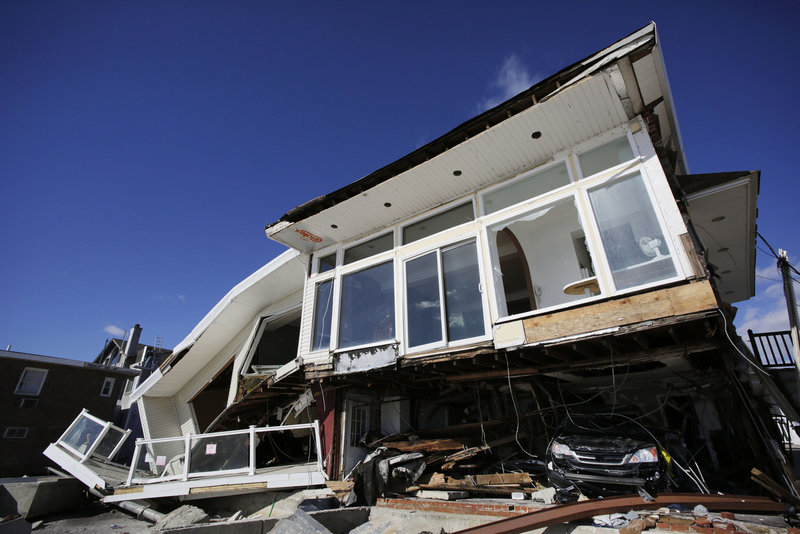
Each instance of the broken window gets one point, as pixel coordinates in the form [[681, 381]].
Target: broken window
[[275, 343], [367, 306], [443, 296], [31, 381], [16, 432], [438, 223], [549, 244], [634, 242]]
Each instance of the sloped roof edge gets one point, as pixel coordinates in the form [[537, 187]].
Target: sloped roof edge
[[472, 127]]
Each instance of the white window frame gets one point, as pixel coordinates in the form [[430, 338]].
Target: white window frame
[[573, 180], [110, 382], [11, 430], [599, 141], [438, 248], [605, 180], [260, 326], [22, 379], [432, 213], [385, 257], [523, 210]]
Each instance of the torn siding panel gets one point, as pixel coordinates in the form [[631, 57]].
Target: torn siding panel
[[161, 420], [355, 361]]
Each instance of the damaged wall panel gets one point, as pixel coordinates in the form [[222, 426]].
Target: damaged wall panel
[[658, 304]]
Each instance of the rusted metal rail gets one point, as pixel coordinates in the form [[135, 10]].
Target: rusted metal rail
[[581, 510]]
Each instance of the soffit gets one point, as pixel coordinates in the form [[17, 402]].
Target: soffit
[[723, 210], [576, 114]]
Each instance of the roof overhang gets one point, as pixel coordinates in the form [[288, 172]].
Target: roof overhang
[[723, 210], [273, 283], [588, 98]]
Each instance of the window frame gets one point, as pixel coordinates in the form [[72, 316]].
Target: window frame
[[399, 244], [111, 381], [11, 429], [438, 249], [386, 257], [22, 378], [599, 141], [545, 202], [562, 158], [604, 180]]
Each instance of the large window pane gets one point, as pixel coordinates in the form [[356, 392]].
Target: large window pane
[[438, 223], [462, 293], [423, 300], [369, 248], [549, 242], [530, 187], [632, 237], [327, 263], [605, 156], [323, 306], [367, 311]]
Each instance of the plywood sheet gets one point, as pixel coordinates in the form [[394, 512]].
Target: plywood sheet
[[657, 304]]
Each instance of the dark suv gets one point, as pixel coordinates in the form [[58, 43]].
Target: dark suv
[[603, 455]]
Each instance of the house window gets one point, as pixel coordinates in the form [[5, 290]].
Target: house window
[[16, 432], [327, 263], [634, 243], [108, 387], [367, 306], [532, 186], [605, 156], [28, 402], [443, 298], [323, 308], [369, 248], [31, 381], [438, 223], [542, 252]]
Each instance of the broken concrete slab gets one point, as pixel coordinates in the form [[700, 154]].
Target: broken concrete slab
[[299, 523], [442, 495], [181, 517]]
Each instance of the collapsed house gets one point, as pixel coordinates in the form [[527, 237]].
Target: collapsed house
[[441, 317]]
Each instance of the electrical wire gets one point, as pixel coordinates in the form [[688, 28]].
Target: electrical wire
[[516, 411], [480, 415]]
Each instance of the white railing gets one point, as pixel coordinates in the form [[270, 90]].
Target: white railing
[[89, 435], [216, 453]]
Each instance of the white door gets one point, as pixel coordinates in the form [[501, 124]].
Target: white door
[[356, 416]]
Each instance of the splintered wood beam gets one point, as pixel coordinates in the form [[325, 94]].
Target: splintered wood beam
[[493, 374], [428, 445]]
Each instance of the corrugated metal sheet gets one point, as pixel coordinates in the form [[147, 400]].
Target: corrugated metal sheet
[[585, 110]]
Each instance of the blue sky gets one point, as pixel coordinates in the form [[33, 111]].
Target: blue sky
[[144, 145]]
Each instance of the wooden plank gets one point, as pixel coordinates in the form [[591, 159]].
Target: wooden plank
[[657, 304], [430, 445], [228, 487], [132, 489]]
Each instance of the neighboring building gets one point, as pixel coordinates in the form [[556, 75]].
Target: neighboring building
[[548, 255], [40, 396]]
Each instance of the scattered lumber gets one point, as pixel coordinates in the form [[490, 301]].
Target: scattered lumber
[[427, 445]]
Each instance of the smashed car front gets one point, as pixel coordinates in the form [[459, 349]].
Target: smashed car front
[[598, 465]]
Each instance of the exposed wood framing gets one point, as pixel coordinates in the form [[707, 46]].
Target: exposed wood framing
[[656, 304]]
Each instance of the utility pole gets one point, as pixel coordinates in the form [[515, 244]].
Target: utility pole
[[791, 304]]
